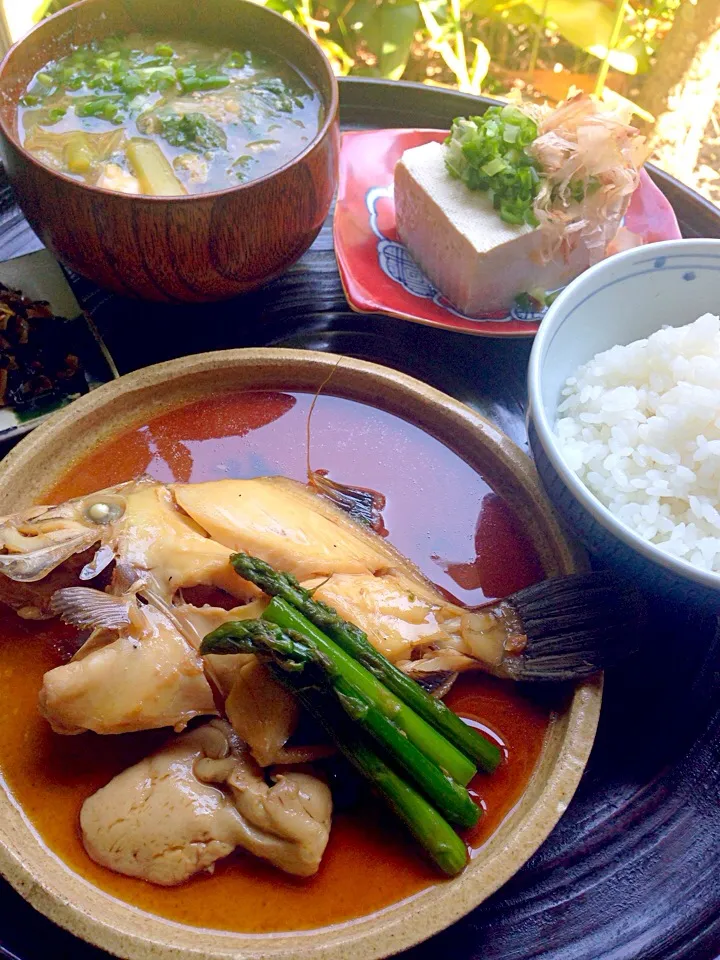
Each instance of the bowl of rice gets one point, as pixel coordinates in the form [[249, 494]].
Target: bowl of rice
[[624, 414]]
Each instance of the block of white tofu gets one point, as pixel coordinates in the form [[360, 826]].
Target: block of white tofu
[[472, 256]]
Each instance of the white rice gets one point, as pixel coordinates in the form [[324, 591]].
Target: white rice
[[640, 425]]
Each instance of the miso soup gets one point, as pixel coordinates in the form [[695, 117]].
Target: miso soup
[[149, 115]]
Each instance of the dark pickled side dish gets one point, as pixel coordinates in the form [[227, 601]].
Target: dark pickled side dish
[[38, 366]]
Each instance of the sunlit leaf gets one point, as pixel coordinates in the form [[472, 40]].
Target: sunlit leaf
[[480, 66], [361, 12], [48, 7], [588, 24], [440, 9], [481, 8], [614, 99], [42, 11], [365, 70], [428, 81], [440, 40], [284, 7], [509, 11], [339, 59], [626, 61], [518, 15], [389, 32]]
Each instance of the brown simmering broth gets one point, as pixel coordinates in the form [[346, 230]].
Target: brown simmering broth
[[148, 115], [439, 512]]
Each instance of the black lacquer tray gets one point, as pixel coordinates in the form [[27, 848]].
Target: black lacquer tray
[[632, 872]]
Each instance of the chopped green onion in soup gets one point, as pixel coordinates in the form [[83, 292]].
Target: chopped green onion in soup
[[185, 117]]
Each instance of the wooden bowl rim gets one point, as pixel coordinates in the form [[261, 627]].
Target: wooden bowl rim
[[331, 108], [126, 931]]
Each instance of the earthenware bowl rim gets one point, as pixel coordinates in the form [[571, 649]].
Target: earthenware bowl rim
[[330, 108], [400, 925], [553, 321]]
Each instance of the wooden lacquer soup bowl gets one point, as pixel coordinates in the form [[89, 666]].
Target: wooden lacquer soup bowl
[[49, 454], [203, 247]]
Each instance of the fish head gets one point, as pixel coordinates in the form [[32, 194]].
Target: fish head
[[156, 542], [37, 540]]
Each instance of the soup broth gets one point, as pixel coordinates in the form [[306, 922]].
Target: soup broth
[[468, 542], [148, 115]]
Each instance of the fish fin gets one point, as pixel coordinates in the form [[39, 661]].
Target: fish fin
[[85, 607], [96, 641], [127, 578], [361, 504], [435, 662], [102, 559], [437, 684]]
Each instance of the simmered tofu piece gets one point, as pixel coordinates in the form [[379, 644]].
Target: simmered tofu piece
[[479, 262], [262, 712], [192, 803]]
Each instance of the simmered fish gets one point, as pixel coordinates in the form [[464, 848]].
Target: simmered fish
[[284, 523], [155, 542], [139, 674], [156, 548], [160, 540]]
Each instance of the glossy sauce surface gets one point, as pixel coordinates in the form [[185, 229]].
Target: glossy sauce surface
[[439, 512]]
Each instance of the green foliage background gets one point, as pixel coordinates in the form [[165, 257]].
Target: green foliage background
[[479, 45], [482, 44]]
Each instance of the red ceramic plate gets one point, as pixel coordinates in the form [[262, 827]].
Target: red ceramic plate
[[378, 273]]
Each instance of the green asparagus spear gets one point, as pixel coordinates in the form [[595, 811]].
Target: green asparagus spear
[[432, 743], [356, 644], [432, 832], [298, 655], [425, 737]]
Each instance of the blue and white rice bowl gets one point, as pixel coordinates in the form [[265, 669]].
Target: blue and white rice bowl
[[638, 505]]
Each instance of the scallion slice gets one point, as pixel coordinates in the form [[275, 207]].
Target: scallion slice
[[489, 153]]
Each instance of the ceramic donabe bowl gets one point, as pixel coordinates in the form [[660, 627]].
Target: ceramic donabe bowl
[[45, 456]]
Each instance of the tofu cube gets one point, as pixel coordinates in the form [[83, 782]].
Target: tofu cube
[[472, 256]]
